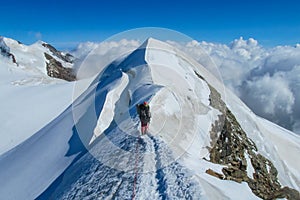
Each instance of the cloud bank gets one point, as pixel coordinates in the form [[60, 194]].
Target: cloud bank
[[100, 55], [266, 79]]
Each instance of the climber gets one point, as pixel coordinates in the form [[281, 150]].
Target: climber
[[144, 113]]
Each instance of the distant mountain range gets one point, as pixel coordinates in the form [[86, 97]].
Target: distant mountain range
[[80, 138], [40, 55]]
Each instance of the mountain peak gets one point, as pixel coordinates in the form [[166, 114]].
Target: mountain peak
[[197, 129], [154, 43]]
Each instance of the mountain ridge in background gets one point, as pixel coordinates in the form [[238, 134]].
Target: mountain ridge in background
[[203, 142]]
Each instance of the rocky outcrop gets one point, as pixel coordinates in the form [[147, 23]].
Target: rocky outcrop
[[56, 61], [231, 147], [65, 57], [215, 174], [5, 51], [56, 70]]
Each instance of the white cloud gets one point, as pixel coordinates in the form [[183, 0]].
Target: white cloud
[[267, 80], [102, 54], [269, 95], [296, 127]]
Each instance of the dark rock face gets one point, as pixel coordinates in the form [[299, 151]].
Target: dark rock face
[[56, 70], [229, 147], [67, 57], [5, 51], [215, 174]]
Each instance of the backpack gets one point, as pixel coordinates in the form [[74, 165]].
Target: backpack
[[144, 113]]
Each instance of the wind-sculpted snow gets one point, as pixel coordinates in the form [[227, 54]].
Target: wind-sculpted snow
[[51, 150], [70, 134], [93, 149], [89, 178], [267, 79]]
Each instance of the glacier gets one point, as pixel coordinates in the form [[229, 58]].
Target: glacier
[[93, 148]]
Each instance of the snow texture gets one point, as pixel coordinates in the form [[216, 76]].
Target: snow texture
[[266, 79], [92, 149]]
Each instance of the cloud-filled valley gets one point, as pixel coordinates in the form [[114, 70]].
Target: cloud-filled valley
[[266, 79]]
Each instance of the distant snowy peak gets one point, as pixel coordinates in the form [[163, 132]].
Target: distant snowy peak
[[201, 137], [63, 56], [39, 57], [5, 50], [59, 64], [154, 43], [3, 47]]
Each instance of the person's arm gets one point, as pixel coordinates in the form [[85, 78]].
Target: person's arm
[[148, 110], [138, 109]]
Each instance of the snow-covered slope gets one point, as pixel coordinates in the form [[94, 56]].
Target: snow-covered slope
[[172, 162], [27, 87], [29, 97], [32, 58]]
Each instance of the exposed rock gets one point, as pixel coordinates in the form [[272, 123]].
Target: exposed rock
[[199, 75], [55, 69], [235, 174], [229, 146], [13, 58], [65, 57], [215, 174], [5, 51], [288, 193]]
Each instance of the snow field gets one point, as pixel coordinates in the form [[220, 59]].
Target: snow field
[[168, 162]]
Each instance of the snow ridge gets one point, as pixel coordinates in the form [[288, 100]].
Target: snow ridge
[[98, 148], [168, 182]]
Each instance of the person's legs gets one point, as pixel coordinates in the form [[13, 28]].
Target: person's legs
[[146, 128], [143, 128]]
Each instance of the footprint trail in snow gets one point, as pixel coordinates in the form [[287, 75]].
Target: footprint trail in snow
[[152, 174]]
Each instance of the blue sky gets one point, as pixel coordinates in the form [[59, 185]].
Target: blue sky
[[66, 23]]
